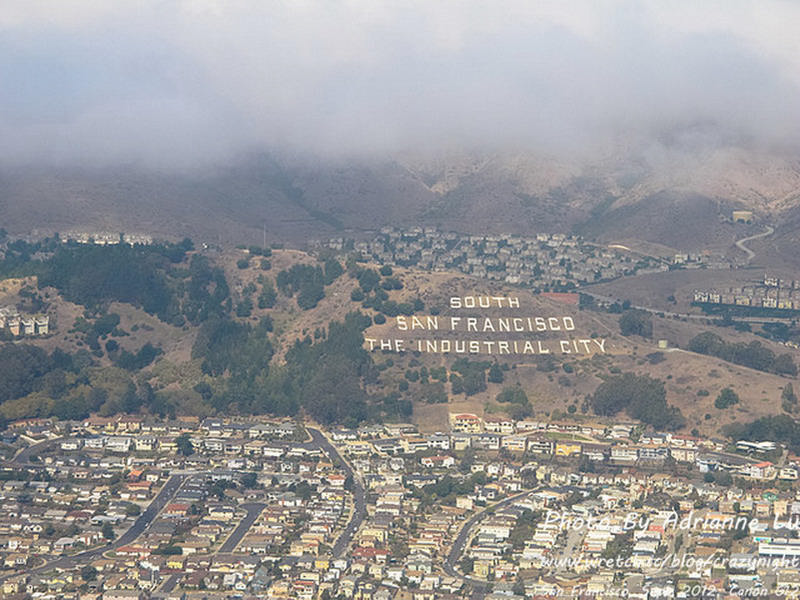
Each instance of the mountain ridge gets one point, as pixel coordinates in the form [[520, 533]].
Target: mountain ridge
[[298, 199]]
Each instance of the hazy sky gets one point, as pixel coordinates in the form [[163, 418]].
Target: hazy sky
[[176, 83]]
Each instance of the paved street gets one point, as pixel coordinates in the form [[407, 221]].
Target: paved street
[[456, 550], [253, 510], [359, 495], [173, 484], [160, 501]]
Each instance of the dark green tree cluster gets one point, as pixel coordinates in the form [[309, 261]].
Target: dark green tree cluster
[[184, 444], [640, 396], [636, 322], [390, 405], [431, 393], [788, 399], [777, 428], [372, 292], [18, 259], [496, 373], [259, 251], [753, 355], [523, 529], [368, 280], [516, 396], [93, 330], [306, 281], [468, 377], [21, 365], [67, 386], [448, 488], [239, 355], [148, 277], [134, 361], [329, 375], [332, 270], [93, 275], [727, 397], [268, 295], [325, 376], [206, 292]]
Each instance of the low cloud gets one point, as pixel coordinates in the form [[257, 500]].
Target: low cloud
[[183, 83]]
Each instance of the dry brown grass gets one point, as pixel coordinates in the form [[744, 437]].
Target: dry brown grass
[[550, 393]]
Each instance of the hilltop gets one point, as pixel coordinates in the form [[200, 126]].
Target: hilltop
[[676, 192]]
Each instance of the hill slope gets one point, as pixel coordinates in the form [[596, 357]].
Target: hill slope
[[556, 383], [673, 193]]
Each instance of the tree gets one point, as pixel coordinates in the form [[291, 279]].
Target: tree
[[495, 373], [640, 396], [788, 399], [778, 428], [250, 480], [474, 381], [245, 308], [184, 444], [456, 384], [368, 279], [467, 564], [636, 322], [753, 355], [333, 269], [784, 365], [307, 281], [108, 530], [268, 296], [727, 397], [88, 573], [514, 394]]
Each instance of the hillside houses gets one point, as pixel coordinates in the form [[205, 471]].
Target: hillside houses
[[521, 492], [107, 238], [23, 325], [545, 261], [770, 293]]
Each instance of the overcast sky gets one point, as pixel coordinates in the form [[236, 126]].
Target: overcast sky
[[177, 83]]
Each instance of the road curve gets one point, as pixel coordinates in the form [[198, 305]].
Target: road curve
[[359, 495], [750, 254], [23, 457], [460, 542]]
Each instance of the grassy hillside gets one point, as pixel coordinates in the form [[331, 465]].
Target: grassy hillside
[[273, 355]]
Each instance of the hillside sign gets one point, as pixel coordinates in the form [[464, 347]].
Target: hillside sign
[[477, 333]]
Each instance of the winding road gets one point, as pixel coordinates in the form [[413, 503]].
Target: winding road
[[750, 254], [462, 538]]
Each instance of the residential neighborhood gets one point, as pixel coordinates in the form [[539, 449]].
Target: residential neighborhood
[[127, 507], [546, 261], [771, 292]]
